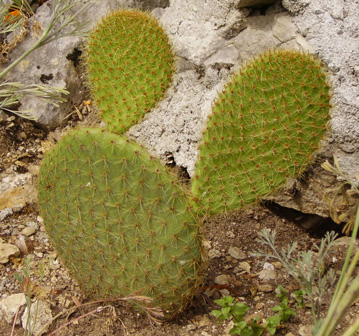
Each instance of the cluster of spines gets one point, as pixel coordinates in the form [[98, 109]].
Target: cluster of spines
[[118, 219], [265, 127], [130, 65]]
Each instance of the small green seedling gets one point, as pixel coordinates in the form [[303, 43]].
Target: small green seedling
[[230, 309]]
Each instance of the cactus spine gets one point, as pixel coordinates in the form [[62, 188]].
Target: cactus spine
[[130, 65], [119, 221], [265, 127]]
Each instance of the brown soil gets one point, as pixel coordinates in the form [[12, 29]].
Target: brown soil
[[22, 145]]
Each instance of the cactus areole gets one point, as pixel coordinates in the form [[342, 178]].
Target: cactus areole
[[130, 65], [119, 221], [264, 128]]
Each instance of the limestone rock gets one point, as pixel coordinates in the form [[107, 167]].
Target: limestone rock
[[211, 40], [10, 304], [7, 251]]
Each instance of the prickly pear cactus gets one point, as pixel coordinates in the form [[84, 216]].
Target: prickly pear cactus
[[118, 219], [265, 127], [130, 65]]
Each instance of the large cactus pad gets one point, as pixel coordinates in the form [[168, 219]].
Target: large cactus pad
[[130, 65], [265, 126], [119, 221]]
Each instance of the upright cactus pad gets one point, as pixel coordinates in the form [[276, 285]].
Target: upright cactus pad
[[119, 221], [130, 65], [265, 127]]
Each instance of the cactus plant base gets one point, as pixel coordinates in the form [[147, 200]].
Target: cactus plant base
[[119, 221]]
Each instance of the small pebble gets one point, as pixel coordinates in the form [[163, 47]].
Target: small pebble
[[7, 251], [237, 253], [28, 231], [245, 266], [230, 234], [222, 279], [224, 292], [265, 288], [214, 253], [260, 305]]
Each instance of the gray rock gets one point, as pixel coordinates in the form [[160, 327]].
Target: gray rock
[[9, 306], [7, 251], [52, 63], [200, 34], [266, 32], [40, 315]]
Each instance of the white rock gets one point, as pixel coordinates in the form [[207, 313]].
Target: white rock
[[283, 29], [43, 314], [7, 251], [10, 305]]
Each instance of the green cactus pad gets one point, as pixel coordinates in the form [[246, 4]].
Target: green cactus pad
[[119, 220], [130, 65], [264, 128]]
